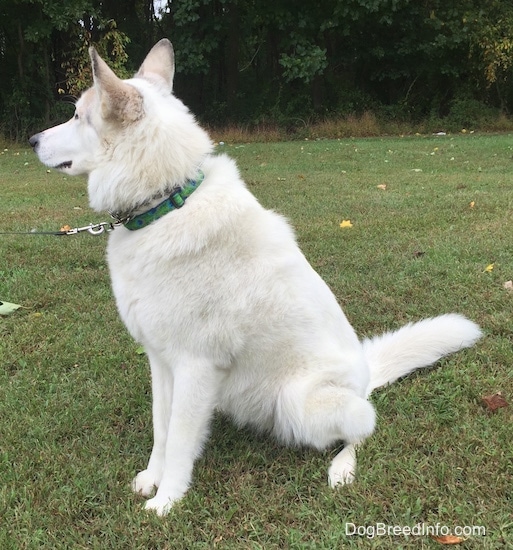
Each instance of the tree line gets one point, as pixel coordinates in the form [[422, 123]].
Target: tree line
[[257, 61]]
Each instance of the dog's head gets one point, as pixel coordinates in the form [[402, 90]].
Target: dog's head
[[133, 138]]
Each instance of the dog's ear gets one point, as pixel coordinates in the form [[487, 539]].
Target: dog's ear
[[119, 101], [159, 63]]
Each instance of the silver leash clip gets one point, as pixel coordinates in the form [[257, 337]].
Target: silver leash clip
[[92, 229]]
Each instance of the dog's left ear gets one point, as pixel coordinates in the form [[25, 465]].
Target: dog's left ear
[[119, 101], [160, 63]]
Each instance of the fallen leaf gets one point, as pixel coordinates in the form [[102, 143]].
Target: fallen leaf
[[140, 350], [66, 228], [346, 223], [382, 186], [494, 402], [472, 204], [418, 253], [489, 268], [508, 285], [6, 308], [448, 539]]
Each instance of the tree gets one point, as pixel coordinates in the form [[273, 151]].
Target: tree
[[45, 51], [264, 60], [492, 46]]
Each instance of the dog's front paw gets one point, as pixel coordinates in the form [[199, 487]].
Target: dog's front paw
[[343, 468], [144, 483], [160, 505]]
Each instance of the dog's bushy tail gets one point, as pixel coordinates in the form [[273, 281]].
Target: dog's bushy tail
[[416, 345]]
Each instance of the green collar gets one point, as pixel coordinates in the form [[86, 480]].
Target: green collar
[[175, 200]]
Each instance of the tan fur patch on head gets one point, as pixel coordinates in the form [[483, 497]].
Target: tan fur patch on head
[[119, 101], [122, 103]]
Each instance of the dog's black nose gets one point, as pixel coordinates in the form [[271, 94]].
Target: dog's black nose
[[34, 140]]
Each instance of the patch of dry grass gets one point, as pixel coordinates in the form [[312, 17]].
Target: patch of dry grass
[[263, 133], [367, 124]]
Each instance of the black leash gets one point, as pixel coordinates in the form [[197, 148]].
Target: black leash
[[92, 229], [55, 233]]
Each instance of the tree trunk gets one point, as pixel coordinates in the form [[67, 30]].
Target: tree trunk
[[21, 52], [232, 58]]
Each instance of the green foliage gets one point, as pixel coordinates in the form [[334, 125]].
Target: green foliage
[[45, 57], [304, 63], [76, 63], [253, 62], [469, 113], [492, 40]]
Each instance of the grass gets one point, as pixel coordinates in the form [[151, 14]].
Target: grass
[[75, 422]]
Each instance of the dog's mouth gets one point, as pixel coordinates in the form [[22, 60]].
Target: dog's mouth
[[64, 165]]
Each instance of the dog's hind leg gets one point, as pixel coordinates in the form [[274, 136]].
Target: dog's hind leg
[[322, 414], [195, 389], [148, 480], [343, 467]]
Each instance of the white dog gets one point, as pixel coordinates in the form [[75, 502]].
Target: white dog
[[215, 288]]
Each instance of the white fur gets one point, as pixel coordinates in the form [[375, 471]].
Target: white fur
[[230, 312]]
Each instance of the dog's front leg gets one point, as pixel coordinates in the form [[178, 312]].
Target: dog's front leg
[[195, 388], [162, 393]]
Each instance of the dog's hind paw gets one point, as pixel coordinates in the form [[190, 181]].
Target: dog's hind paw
[[337, 479], [144, 483], [343, 468]]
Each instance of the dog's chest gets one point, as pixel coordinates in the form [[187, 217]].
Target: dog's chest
[[127, 295], [181, 301], [132, 277]]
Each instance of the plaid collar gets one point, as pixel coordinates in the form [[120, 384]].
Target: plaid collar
[[175, 200]]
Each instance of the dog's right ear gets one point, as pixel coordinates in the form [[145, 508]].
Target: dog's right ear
[[119, 101], [159, 63]]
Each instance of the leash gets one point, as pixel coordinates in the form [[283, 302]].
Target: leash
[[175, 200], [93, 229]]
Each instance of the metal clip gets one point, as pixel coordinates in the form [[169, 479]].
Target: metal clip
[[97, 229], [92, 228]]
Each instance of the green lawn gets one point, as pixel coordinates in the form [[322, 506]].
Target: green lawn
[[75, 417]]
